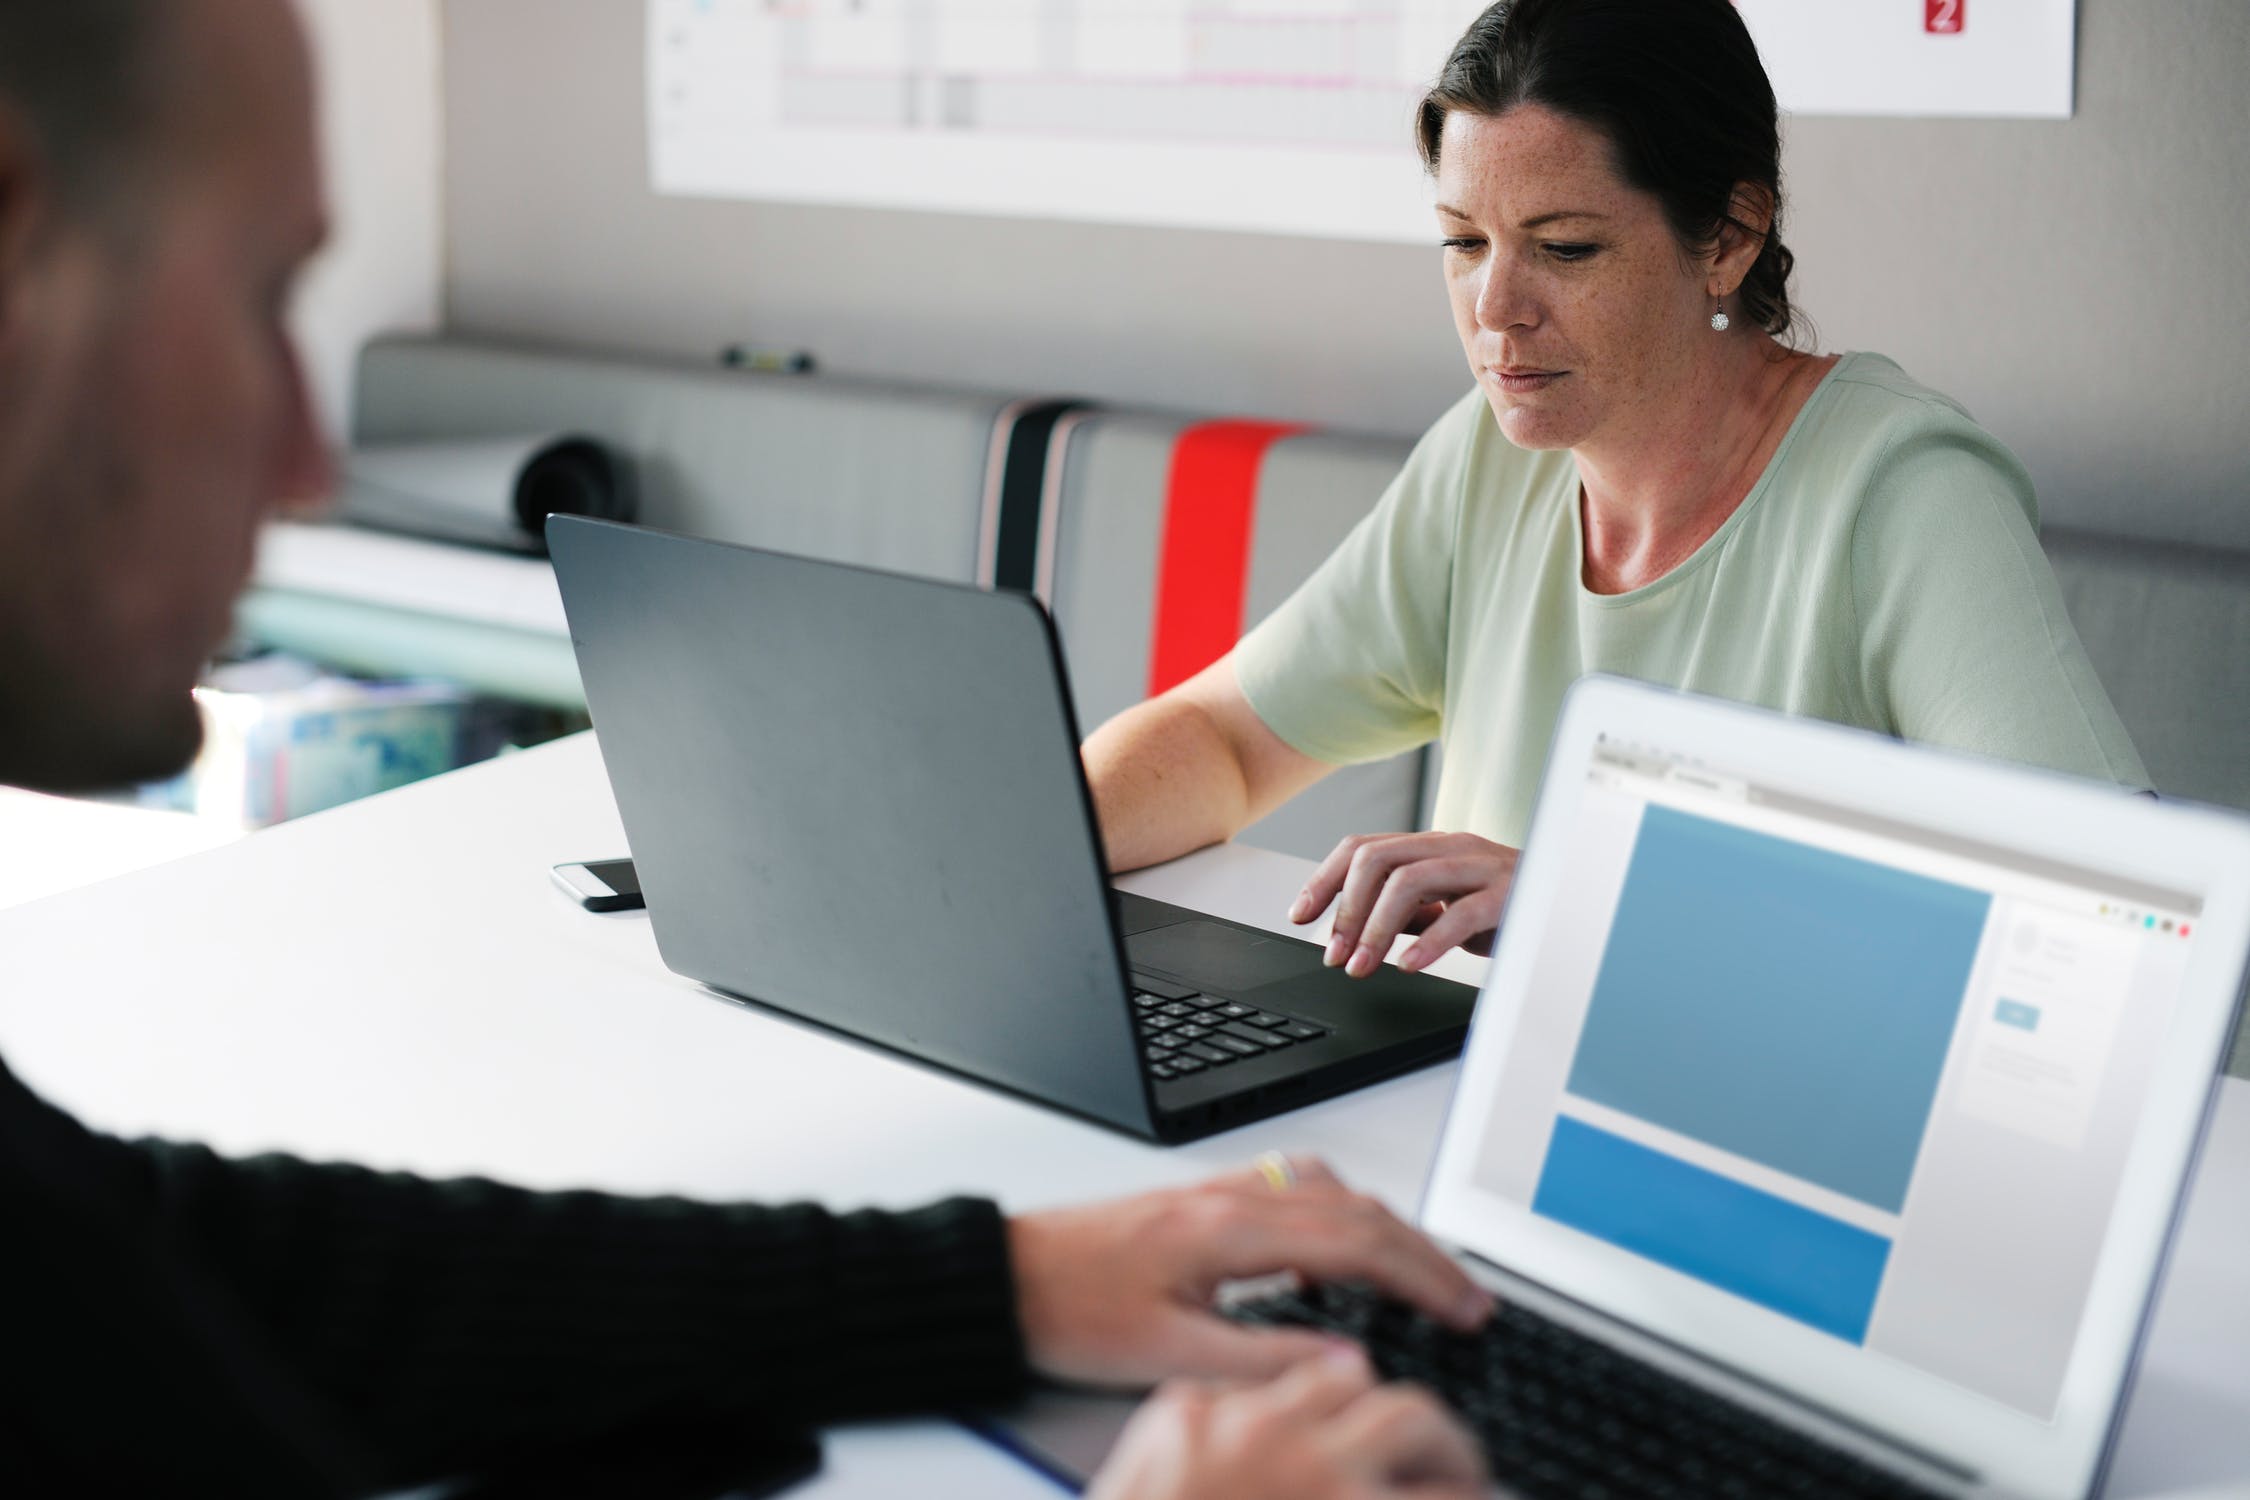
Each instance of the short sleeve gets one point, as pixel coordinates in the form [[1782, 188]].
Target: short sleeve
[[1964, 638], [1352, 666]]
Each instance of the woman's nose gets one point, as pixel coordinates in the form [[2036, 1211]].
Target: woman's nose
[[1501, 300]]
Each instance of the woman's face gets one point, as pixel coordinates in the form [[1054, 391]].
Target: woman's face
[[1578, 309]]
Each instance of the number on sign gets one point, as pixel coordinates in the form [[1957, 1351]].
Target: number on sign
[[1944, 17]]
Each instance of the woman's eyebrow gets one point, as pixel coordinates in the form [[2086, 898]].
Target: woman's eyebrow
[[1536, 220]]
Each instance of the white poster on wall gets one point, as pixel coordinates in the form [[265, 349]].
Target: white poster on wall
[[1280, 116]]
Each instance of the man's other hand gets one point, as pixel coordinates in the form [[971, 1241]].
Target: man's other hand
[[1322, 1431]]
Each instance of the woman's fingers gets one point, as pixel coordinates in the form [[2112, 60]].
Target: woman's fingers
[[1447, 887], [1408, 890], [1328, 878], [1374, 863], [1466, 923]]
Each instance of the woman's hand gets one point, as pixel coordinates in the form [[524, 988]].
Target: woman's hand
[[1448, 887], [1323, 1431]]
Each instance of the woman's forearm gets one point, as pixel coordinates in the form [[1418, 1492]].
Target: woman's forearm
[[1188, 768], [1166, 780]]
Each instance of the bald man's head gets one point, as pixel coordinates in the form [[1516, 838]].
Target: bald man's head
[[159, 194]]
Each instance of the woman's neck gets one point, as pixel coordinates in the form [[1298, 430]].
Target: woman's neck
[[1652, 495]]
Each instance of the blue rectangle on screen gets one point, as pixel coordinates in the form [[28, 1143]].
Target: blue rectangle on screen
[[1782, 1002], [1761, 1248]]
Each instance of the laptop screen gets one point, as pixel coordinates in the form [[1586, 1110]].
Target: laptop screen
[[1877, 1080]]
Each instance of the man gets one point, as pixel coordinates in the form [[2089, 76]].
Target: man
[[179, 1323]]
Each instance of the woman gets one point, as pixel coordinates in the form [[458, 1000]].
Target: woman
[[1648, 481]]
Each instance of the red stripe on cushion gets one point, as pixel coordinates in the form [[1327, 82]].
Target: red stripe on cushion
[[1203, 574]]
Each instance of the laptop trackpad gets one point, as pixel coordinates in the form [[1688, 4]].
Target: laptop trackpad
[[1224, 958]]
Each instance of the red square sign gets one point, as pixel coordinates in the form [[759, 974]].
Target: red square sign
[[1944, 17]]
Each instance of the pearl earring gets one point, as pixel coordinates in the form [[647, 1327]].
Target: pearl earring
[[1719, 321]]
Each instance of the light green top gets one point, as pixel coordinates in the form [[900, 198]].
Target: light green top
[[1884, 572]]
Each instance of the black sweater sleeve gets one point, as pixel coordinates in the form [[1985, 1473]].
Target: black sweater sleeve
[[452, 1324]]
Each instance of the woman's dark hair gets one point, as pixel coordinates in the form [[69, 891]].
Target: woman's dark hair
[[1675, 85]]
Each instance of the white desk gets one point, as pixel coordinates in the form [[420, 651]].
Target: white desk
[[398, 982]]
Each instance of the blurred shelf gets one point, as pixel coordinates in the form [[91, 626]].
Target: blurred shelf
[[436, 578], [389, 605]]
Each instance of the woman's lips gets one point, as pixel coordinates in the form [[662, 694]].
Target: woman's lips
[[1519, 380]]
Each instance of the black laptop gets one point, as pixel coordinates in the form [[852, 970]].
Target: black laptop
[[855, 798]]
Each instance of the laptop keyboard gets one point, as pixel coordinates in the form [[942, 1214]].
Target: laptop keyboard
[[1184, 1032], [1561, 1414]]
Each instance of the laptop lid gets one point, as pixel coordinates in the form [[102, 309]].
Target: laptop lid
[[793, 741], [1872, 1072]]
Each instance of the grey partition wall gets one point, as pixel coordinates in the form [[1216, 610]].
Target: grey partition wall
[[2082, 285], [887, 475]]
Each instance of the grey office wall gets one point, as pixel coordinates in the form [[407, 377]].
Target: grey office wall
[[2083, 286]]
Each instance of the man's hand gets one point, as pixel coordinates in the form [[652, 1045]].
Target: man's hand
[[1121, 1293], [1323, 1431], [1449, 887]]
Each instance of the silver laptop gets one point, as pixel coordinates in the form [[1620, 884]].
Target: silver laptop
[[1860, 1081], [1825, 1116]]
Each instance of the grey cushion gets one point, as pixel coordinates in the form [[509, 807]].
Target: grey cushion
[[1105, 503], [2168, 629]]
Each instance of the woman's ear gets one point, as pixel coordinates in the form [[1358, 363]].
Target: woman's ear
[[1742, 235]]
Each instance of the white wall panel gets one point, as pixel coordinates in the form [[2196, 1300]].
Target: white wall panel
[[378, 61]]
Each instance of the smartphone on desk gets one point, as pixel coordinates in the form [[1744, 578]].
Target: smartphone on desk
[[602, 885]]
